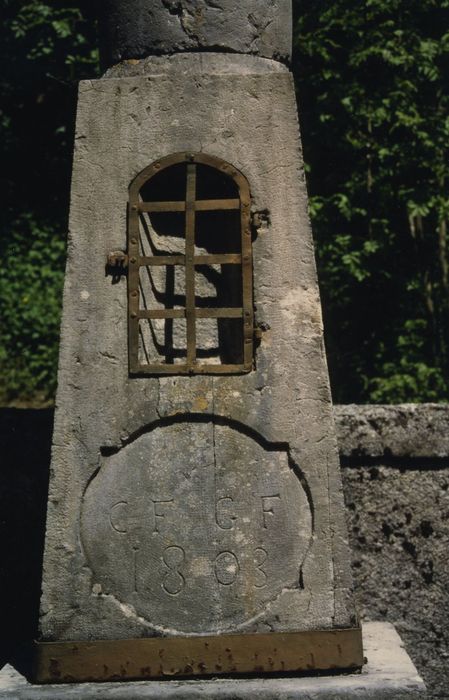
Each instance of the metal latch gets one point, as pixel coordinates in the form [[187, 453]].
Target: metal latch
[[116, 264], [260, 220], [259, 329]]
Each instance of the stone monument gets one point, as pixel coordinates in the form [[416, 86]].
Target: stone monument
[[195, 513]]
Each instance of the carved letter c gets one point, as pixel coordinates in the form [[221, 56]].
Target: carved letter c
[[115, 527]]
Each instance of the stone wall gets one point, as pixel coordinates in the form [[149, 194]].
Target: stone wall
[[396, 474]]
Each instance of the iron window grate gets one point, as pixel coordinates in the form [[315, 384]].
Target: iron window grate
[[190, 262]]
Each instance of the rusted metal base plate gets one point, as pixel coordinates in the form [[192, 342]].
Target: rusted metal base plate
[[139, 659]]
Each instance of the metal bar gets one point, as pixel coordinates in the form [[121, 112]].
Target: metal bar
[[219, 369], [219, 313], [143, 344], [226, 259], [187, 369], [200, 205], [185, 156], [247, 279], [168, 657], [162, 313], [216, 204], [164, 369], [133, 287], [156, 207], [162, 260], [190, 265]]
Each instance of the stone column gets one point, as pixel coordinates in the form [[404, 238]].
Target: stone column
[[195, 511], [132, 29]]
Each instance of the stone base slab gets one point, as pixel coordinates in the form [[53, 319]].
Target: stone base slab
[[389, 674]]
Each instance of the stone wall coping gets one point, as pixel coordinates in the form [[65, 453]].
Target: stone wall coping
[[393, 431]]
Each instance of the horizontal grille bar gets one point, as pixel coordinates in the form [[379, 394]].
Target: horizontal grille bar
[[188, 369], [162, 313], [219, 313], [199, 313], [226, 259], [217, 204], [198, 205], [155, 207], [162, 260]]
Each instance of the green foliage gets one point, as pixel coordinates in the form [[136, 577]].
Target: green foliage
[[374, 107], [46, 48], [408, 375], [30, 290]]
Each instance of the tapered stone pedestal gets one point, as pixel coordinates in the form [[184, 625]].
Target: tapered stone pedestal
[[195, 517], [194, 497]]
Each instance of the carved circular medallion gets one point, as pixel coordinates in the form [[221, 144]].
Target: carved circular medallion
[[196, 526]]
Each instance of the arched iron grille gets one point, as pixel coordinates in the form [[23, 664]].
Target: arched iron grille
[[190, 214]]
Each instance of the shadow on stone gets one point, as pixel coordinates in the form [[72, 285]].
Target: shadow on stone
[[25, 436]]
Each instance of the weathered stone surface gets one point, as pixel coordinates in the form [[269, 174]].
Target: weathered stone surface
[[133, 29], [278, 416], [389, 675], [396, 491], [399, 529], [209, 527], [402, 430]]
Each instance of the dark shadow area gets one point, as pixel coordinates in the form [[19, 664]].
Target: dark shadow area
[[25, 436], [168, 185], [402, 464]]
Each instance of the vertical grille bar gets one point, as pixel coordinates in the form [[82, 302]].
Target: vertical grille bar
[[133, 286], [247, 282], [190, 265]]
